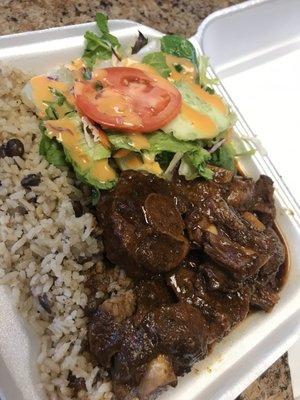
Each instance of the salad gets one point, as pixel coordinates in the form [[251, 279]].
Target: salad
[[149, 107]]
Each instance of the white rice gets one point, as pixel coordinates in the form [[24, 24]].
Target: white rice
[[40, 254]]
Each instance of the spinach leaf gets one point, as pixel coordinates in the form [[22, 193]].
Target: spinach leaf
[[179, 46], [99, 46], [140, 42], [157, 61]]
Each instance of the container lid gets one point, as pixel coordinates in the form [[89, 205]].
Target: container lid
[[254, 48]]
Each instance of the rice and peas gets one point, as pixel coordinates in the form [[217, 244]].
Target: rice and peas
[[47, 254]]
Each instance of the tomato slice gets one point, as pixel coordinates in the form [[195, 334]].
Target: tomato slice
[[128, 99]]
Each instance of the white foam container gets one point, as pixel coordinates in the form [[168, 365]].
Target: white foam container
[[241, 41]]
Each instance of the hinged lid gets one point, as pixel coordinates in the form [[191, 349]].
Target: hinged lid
[[254, 48]]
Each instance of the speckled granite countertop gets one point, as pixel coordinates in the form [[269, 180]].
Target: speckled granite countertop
[[171, 16]]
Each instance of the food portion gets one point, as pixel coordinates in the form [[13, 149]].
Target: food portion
[[118, 108], [201, 254], [130, 241], [143, 228]]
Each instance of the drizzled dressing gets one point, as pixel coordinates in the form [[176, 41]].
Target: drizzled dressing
[[41, 94], [67, 132], [114, 104]]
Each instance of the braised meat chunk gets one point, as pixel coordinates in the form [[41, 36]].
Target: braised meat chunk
[[143, 229], [221, 309], [151, 294], [167, 341], [179, 331], [200, 253], [105, 337], [263, 201], [240, 261]]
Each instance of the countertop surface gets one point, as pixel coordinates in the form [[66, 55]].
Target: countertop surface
[[170, 16]]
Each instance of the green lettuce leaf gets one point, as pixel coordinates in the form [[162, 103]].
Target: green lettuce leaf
[[51, 150], [120, 141], [204, 80], [198, 159], [190, 172], [224, 157], [179, 46], [102, 23], [160, 141], [194, 159], [157, 61], [99, 46]]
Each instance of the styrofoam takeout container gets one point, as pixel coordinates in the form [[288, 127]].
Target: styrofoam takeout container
[[248, 44]]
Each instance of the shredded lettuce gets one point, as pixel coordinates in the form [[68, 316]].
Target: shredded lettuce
[[163, 146], [173, 164], [58, 155], [158, 142], [193, 154], [102, 23]]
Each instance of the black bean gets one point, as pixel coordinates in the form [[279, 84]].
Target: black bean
[[31, 180], [45, 303], [14, 147], [77, 207], [21, 210], [32, 200], [77, 384], [2, 151]]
